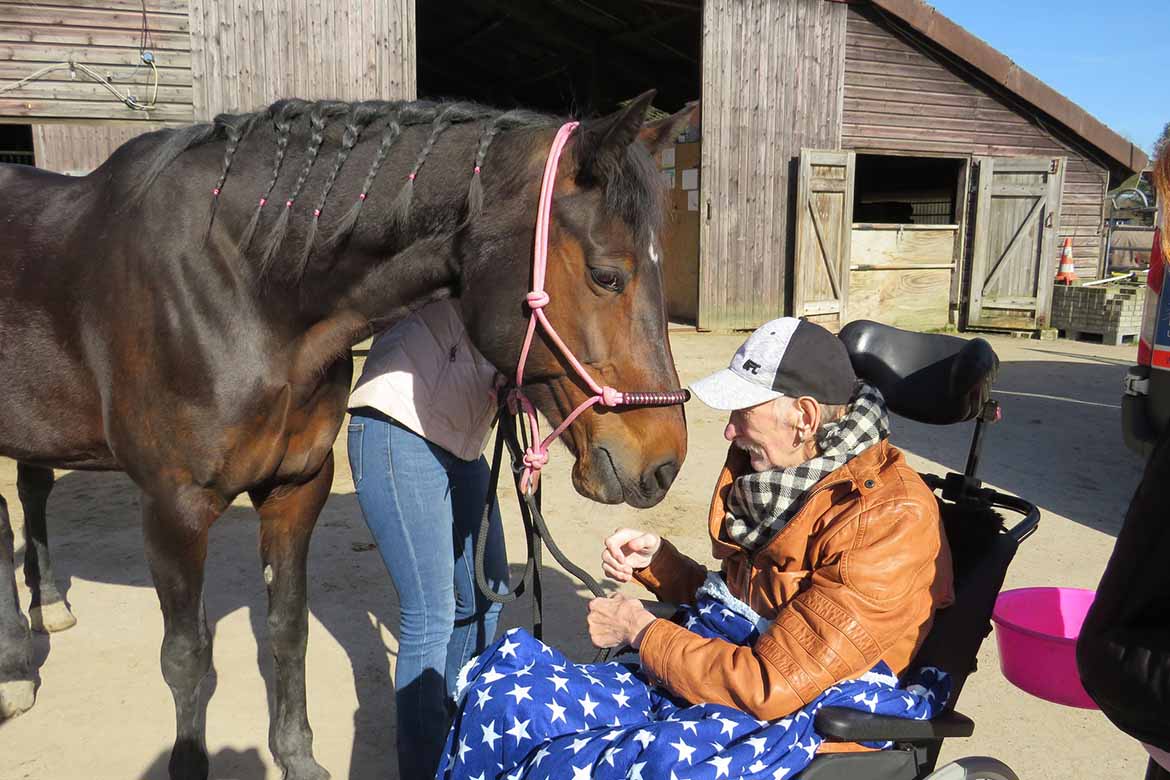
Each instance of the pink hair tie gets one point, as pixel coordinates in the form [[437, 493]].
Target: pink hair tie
[[316, 213], [215, 192], [411, 176], [263, 201], [362, 196], [288, 204], [477, 170]]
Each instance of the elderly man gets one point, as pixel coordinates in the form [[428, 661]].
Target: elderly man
[[821, 528]]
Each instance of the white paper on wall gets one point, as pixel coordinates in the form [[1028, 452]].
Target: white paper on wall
[[692, 200], [668, 178], [690, 179], [668, 157]]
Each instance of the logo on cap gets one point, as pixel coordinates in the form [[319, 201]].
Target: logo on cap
[[751, 365]]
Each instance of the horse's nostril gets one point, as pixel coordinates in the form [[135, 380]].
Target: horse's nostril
[[666, 473]]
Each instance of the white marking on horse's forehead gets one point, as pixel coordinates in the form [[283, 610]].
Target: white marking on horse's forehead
[[653, 247]]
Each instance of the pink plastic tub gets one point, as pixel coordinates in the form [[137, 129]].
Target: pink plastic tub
[[1036, 630]]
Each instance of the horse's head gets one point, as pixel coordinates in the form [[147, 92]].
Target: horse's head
[[605, 284]]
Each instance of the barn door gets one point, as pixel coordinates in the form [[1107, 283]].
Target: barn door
[[824, 220], [1013, 256]]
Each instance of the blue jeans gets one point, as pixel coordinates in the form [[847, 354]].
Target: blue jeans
[[423, 506]]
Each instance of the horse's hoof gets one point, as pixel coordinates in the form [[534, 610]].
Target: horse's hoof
[[16, 697], [305, 769], [51, 618]]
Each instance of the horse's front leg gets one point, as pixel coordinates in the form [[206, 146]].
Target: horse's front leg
[[47, 612], [287, 516], [16, 672], [175, 524]]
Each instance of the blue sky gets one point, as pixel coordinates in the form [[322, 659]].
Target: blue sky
[[1111, 58]]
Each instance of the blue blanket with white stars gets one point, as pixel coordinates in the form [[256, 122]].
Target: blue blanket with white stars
[[527, 712]]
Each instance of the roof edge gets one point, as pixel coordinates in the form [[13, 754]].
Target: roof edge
[[931, 23]]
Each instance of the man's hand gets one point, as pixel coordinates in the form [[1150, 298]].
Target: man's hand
[[618, 620], [626, 550]]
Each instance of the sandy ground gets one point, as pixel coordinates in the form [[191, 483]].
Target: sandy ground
[[103, 710]]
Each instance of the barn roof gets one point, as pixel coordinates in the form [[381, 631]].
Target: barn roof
[[932, 25]]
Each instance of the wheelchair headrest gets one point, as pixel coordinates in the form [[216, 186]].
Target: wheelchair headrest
[[928, 377]]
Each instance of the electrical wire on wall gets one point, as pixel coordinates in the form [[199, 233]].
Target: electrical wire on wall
[[145, 57]]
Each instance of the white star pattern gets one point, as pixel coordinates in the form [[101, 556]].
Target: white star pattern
[[609, 754], [810, 748], [560, 682], [636, 770], [621, 698], [582, 772], [722, 764], [491, 675], [690, 726], [728, 726], [463, 748], [541, 755], [489, 735], [484, 697], [558, 712], [644, 737], [780, 773], [758, 744], [519, 729], [591, 678], [588, 705], [578, 744], [610, 736], [685, 751], [520, 693], [757, 766], [624, 677], [527, 670], [508, 648]]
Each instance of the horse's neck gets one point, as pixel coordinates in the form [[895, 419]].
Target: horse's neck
[[375, 299]]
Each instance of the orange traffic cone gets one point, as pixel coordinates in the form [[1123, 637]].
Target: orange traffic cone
[[1068, 270]]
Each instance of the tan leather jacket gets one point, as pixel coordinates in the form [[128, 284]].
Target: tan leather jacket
[[855, 577]]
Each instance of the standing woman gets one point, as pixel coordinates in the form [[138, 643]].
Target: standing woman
[[421, 413]]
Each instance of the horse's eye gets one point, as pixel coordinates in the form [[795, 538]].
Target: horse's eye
[[608, 278]]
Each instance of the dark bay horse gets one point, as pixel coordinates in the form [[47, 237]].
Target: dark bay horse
[[185, 314]]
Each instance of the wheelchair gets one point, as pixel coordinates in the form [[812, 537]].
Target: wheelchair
[[939, 380]]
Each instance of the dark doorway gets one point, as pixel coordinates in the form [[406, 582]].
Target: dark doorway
[[906, 190], [568, 56], [16, 145]]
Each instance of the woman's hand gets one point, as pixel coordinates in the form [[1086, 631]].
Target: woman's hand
[[618, 620], [627, 550]]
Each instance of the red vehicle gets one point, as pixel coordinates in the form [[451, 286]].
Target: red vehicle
[[1145, 406]]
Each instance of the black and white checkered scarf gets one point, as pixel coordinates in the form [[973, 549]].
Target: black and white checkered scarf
[[761, 503]]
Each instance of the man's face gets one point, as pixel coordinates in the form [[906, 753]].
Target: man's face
[[768, 433]]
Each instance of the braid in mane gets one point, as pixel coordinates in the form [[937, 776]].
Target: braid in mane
[[319, 117], [505, 121], [234, 128], [359, 117], [390, 134], [284, 113], [456, 112]]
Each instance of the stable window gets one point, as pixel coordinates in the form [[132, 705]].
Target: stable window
[[906, 190], [16, 144]]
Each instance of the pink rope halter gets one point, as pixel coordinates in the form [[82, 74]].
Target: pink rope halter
[[536, 455]]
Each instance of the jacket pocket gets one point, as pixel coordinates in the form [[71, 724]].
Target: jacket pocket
[[357, 433]]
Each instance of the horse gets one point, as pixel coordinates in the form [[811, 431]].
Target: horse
[[186, 313]]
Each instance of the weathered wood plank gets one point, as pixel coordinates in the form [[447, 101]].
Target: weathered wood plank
[[52, 34], [91, 18], [90, 109], [175, 7]]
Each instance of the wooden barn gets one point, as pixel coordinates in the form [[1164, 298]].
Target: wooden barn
[[855, 158]]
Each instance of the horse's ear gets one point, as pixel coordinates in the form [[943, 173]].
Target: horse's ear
[[656, 135], [604, 141]]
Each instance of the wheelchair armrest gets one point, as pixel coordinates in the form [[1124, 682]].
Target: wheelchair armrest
[[839, 724]]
